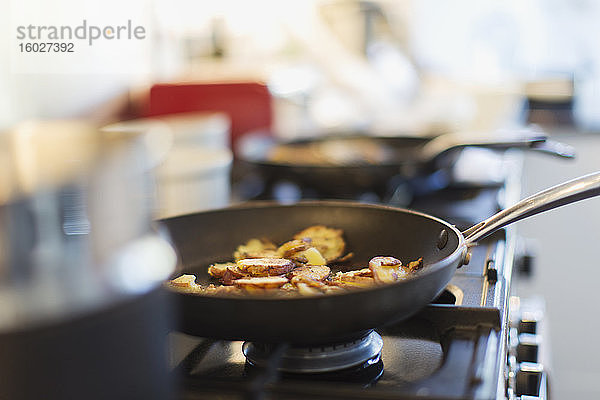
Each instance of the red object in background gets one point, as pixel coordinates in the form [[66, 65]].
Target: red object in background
[[247, 104]]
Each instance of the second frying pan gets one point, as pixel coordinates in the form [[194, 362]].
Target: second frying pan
[[340, 166], [208, 237]]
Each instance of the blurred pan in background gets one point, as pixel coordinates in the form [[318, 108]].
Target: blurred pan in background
[[338, 166]]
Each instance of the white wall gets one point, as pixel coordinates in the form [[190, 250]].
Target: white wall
[[567, 270]]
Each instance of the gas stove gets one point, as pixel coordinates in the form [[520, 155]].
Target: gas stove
[[469, 343]]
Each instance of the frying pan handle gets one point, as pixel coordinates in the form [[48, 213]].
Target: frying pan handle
[[554, 148], [529, 138], [565, 193]]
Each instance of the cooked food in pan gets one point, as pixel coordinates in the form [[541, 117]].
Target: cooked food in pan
[[297, 267], [333, 152]]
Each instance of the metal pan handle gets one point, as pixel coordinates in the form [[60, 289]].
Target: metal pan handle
[[529, 138], [569, 192]]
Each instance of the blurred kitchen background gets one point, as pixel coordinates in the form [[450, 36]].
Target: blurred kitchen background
[[294, 68]]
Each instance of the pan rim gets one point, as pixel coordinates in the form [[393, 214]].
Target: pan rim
[[260, 204]]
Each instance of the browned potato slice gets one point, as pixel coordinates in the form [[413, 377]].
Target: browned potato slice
[[212, 289], [184, 281], [185, 284], [262, 254], [358, 272], [299, 260], [352, 279], [231, 274], [328, 241], [288, 287], [267, 282], [314, 272], [256, 248], [349, 282], [307, 281], [217, 270], [307, 290], [289, 249], [265, 266], [226, 272], [415, 265], [333, 289], [386, 269], [388, 275]]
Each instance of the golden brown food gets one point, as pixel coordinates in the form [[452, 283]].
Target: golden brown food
[[231, 274], [218, 269], [186, 284], [228, 290], [352, 279], [265, 266], [329, 289], [296, 267], [310, 256], [184, 281], [328, 241], [338, 152], [307, 290], [358, 272], [296, 280], [415, 265], [301, 252], [291, 248], [266, 282], [309, 280], [386, 269], [315, 272], [256, 248]]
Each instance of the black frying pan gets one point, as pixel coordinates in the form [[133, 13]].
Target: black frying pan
[[402, 158], [203, 238]]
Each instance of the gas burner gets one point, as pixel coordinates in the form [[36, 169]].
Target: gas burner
[[364, 375], [365, 350]]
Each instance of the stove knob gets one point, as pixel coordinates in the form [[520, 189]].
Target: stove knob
[[525, 261], [528, 379], [527, 348], [528, 323], [491, 272], [525, 264]]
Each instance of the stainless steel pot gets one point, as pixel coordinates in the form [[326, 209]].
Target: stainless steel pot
[[79, 264]]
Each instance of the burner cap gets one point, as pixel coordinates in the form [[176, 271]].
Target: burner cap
[[330, 357]]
